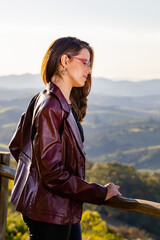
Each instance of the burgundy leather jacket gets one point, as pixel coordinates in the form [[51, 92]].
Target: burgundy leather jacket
[[49, 185]]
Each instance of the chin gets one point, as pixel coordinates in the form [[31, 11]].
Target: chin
[[79, 85], [82, 85]]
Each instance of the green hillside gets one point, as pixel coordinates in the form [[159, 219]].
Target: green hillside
[[112, 133], [141, 158], [133, 184], [134, 142]]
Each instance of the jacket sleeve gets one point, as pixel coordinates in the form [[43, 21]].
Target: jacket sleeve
[[47, 149], [15, 143]]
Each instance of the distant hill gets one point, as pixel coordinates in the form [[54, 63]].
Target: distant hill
[[23, 81], [147, 102], [126, 88], [121, 133], [10, 94], [117, 126], [100, 86]]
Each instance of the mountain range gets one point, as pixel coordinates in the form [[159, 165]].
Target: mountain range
[[12, 86], [122, 121]]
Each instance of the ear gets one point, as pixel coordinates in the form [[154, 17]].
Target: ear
[[64, 61]]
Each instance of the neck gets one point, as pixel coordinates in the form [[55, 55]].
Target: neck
[[64, 86]]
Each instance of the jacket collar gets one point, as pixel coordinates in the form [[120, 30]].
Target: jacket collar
[[52, 88]]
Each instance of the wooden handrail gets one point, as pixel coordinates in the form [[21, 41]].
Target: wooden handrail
[[121, 203], [7, 171], [134, 205], [4, 161]]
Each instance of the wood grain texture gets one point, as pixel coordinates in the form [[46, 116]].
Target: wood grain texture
[[7, 171], [134, 205], [4, 159]]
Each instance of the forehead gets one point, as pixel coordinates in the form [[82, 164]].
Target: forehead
[[84, 53]]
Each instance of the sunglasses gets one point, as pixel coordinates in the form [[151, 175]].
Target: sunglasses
[[86, 62]]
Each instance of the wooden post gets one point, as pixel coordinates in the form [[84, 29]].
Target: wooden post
[[4, 159]]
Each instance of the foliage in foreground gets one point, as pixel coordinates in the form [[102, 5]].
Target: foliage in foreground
[[132, 182], [16, 228], [94, 228]]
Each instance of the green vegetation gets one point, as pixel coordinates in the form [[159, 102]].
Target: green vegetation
[[141, 158], [133, 184], [131, 142], [16, 228], [94, 228], [112, 133], [101, 222]]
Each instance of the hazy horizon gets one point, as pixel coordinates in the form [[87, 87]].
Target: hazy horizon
[[107, 78]]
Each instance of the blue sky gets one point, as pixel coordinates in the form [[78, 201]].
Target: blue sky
[[125, 34]]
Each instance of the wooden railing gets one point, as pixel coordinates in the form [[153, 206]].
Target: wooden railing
[[5, 173], [134, 205], [121, 203]]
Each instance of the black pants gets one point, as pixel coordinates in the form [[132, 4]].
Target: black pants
[[49, 231]]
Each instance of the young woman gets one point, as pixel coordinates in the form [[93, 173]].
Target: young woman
[[49, 188]]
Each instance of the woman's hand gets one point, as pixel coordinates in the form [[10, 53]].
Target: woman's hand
[[112, 190]]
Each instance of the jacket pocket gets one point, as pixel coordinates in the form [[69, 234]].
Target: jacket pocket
[[52, 204]]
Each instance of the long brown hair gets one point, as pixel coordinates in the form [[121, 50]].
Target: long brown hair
[[70, 46]]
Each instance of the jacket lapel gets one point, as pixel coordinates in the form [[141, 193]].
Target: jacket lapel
[[70, 118]]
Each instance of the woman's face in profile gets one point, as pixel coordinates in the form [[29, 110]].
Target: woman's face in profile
[[79, 68]]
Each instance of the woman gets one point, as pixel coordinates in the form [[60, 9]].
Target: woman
[[49, 188]]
